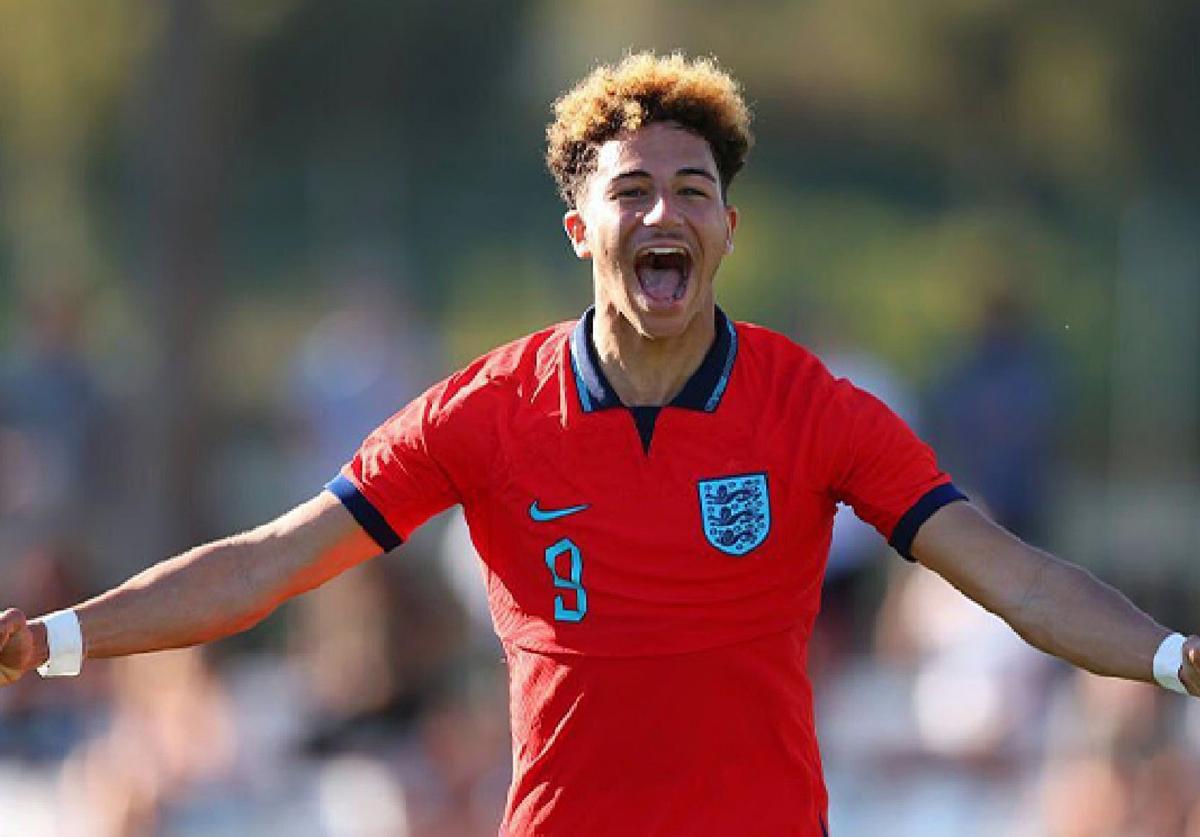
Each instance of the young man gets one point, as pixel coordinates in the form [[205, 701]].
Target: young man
[[651, 490]]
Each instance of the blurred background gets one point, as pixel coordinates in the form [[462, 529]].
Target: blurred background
[[235, 237]]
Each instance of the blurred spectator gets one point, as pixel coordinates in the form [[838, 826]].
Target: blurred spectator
[[362, 361], [53, 409], [169, 734], [377, 645], [976, 685], [52, 449], [1116, 764], [854, 576], [994, 414], [942, 728], [856, 572], [463, 767]]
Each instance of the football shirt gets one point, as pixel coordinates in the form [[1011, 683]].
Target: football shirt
[[653, 573]]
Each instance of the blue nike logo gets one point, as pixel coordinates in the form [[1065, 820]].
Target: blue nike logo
[[543, 515]]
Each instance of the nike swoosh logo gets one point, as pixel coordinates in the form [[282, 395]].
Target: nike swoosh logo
[[543, 515]]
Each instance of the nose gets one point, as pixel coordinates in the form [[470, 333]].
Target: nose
[[663, 213]]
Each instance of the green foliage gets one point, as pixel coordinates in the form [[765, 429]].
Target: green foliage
[[912, 156]]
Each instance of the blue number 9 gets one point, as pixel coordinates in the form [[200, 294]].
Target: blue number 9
[[562, 613]]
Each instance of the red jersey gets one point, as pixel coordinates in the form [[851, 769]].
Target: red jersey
[[653, 573]]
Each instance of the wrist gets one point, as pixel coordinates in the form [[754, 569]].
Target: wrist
[[1168, 660], [41, 644], [64, 644]]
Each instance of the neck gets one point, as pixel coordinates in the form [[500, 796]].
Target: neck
[[648, 371]]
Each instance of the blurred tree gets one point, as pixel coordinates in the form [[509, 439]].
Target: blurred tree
[[63, 71], [381, 127], [903, 145], [181, 175]]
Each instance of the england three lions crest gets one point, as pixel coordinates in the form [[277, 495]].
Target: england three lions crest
[[736, 512]]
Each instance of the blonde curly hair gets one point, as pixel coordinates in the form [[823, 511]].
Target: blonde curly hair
[[641, 89]]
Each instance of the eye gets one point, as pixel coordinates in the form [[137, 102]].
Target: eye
[[693, 192], [630, 192]]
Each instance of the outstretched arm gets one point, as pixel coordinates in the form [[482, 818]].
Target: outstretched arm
[[1057, 607], [206, 593]]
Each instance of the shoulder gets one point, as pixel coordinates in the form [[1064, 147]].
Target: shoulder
[[808, 397], [508, 372], [770, 356]]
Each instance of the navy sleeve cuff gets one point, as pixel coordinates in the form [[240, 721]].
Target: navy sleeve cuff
[[367, 515], [922, 510]]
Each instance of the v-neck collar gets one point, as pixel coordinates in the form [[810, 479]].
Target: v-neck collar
[[702, 392]]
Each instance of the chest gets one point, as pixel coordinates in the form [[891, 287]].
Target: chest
[[591, 542]]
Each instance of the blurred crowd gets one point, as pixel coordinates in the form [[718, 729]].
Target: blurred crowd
[[378, 704]]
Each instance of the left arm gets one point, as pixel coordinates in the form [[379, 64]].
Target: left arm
[[1053, 605]]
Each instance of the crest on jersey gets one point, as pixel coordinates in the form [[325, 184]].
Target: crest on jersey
[[736, 512]]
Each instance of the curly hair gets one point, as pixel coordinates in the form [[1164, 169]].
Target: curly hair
[[641, 89]]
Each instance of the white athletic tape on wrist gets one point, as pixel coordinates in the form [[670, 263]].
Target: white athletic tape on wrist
[[64, 639], [1167, 662]]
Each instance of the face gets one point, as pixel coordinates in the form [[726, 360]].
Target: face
[[653, 221]]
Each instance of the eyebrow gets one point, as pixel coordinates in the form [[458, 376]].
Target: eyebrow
[[683, 172], [705, 173]]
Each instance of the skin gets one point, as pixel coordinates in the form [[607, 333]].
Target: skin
[[207, 593], [1053, 605], [655, 185]]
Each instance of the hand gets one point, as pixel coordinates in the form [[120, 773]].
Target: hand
[[17, 647], [1189, 672]]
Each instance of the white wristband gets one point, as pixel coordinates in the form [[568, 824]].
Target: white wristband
[[1167, 662], [64, 639]]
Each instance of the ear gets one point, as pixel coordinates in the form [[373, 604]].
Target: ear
[[731, 222], [576, 231]]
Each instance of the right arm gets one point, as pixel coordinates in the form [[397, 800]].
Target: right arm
[[208, 592]]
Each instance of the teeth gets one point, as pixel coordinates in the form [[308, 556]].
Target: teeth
[[666, 251]]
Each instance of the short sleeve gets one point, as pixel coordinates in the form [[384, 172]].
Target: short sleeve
[[883, 471], [399, 478]]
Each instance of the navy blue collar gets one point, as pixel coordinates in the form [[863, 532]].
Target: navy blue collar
[[702, 392]]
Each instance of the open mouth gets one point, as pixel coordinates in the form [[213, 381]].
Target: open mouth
[[663, 272]]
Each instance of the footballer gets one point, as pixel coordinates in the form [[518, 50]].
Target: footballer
[[651, 489]]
